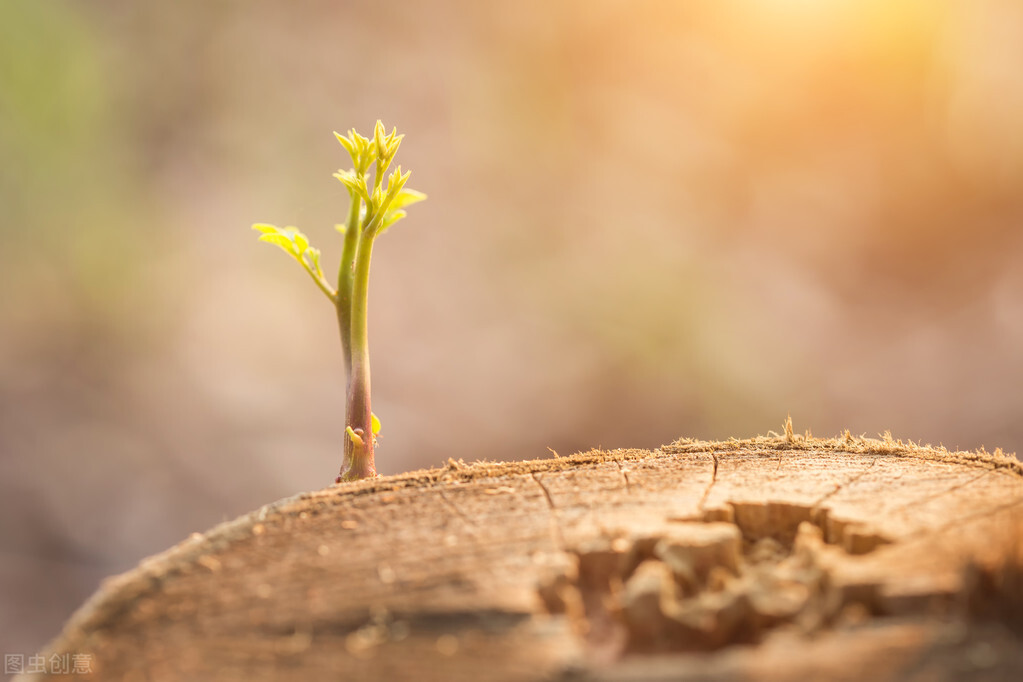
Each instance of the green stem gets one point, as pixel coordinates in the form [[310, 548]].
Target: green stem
[[320, 282], [345, 281], [359, 459], [345, 278]]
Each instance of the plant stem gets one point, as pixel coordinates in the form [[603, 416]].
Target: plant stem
[[345, 281], [321, 282], [358, 460], [345, 278]]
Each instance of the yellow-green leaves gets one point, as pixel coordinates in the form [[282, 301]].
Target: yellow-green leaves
[[390, 218], [296, 245], [395, 210], [381, 139], [405, 198], [381, 150], [288, 238], [348, 143], [360, 148], [355, 182], [375, 206], [386, 148], [396, 199]]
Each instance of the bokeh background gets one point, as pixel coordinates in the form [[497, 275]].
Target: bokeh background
[[646, 220]]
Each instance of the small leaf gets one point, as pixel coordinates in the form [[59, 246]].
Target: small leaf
[[407, 197], [390, 218], [393, 180], [301, 241], [363, 148], [358, 140], [377, 199], [380, 138], [354, 181], [281, 241], [395, 184], [393, 144], [348, 144], [375, 424], [314, 260], [348, 178], [265, 228], [340, 228]]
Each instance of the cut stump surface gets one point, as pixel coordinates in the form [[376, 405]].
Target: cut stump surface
[[772, 558]]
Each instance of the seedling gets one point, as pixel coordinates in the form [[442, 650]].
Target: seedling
[[374, 207]]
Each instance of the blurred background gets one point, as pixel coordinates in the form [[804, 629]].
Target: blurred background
[[646, 220]]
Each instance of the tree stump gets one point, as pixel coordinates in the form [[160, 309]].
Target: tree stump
[[781, 558]]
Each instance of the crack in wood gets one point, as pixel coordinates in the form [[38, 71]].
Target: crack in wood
[[932, 496], [555, 524], [546, 492], [713, 480], [467, 520], [844, 484], [928, 533]]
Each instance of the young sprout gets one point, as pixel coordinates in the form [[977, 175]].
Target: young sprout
[[375, 206]]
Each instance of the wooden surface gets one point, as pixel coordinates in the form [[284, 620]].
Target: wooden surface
[[775, 558]]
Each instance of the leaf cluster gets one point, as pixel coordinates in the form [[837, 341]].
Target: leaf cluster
[[375, 206], [383, 205]]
